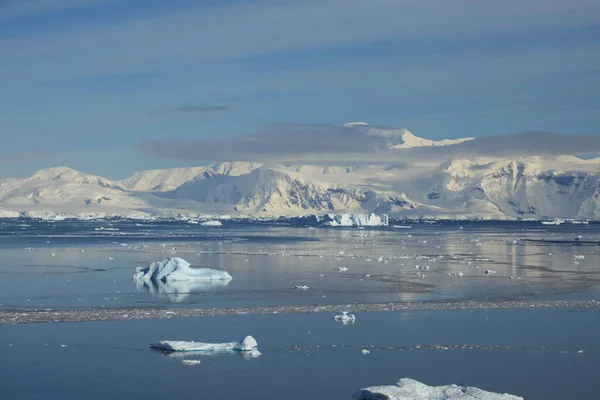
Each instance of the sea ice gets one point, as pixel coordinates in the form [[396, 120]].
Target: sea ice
[[248, 344], [211, 223], [409, 389], [191, 362], [177, 269], [345, 317]]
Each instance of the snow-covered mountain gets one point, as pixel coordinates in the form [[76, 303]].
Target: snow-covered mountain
[[402, 138], [493, 188]]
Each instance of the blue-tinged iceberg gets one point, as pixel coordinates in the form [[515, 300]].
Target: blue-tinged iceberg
[[177, 269], [409, 389]]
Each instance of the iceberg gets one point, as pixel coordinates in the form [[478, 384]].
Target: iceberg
[[410, 389], [247, 344], [345, 318], [177, 269], [342, 220], [211, 223]]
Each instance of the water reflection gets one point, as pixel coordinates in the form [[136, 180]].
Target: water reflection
[[199, 355], [178, 291]]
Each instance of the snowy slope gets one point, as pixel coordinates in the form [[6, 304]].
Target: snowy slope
[[402, 138], [498, 188]]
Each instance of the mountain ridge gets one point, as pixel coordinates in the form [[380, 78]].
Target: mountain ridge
[[462, 187]]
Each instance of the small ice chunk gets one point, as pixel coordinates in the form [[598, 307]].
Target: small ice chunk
[[409, 389], [489, 272], [191, 362], [365, 351], [342, 269], [211, 223], [578, 256], [345, 317], [247, 344], [177, 269], [301, 287]]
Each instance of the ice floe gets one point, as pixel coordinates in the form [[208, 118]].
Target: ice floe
[[247, 344], [211, 223], [191, 362], [29, 316], [345, 318], [177, 269], [410, 389]]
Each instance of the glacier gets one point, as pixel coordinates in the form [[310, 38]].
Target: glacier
[[410, 389], [177, 269], [246, 344]]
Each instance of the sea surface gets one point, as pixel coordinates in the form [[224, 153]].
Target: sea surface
[[82, 266]]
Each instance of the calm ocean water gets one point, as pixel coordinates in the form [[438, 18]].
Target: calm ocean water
[[539, 354]]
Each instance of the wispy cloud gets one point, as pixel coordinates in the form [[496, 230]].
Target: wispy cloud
[[329, 144], [190, 110], [202, 34], [25, 8]]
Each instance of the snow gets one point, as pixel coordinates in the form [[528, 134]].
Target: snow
[[8, 214], [211, 223], [177, 269], [356, 220], [191, 362], [410, 389], [553, 189], [345, 317], [247, 344]]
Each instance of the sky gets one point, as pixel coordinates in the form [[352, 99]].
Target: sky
[[104, 86]]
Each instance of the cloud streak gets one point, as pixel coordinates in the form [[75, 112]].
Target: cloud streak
[[27, 8], [329, 144], [190, 110]]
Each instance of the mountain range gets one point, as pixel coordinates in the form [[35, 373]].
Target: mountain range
[[477, 187]]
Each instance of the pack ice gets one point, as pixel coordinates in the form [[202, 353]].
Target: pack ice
[[177, 269], [409, 389], [247, 344]]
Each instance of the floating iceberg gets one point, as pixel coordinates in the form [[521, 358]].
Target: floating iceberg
[[191, 362], [211, 223], [248, 344], [177, 269], [409, 389], [342, 220], [345, 318]]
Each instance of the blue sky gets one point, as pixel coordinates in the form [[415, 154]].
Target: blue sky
[[84, 82]]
